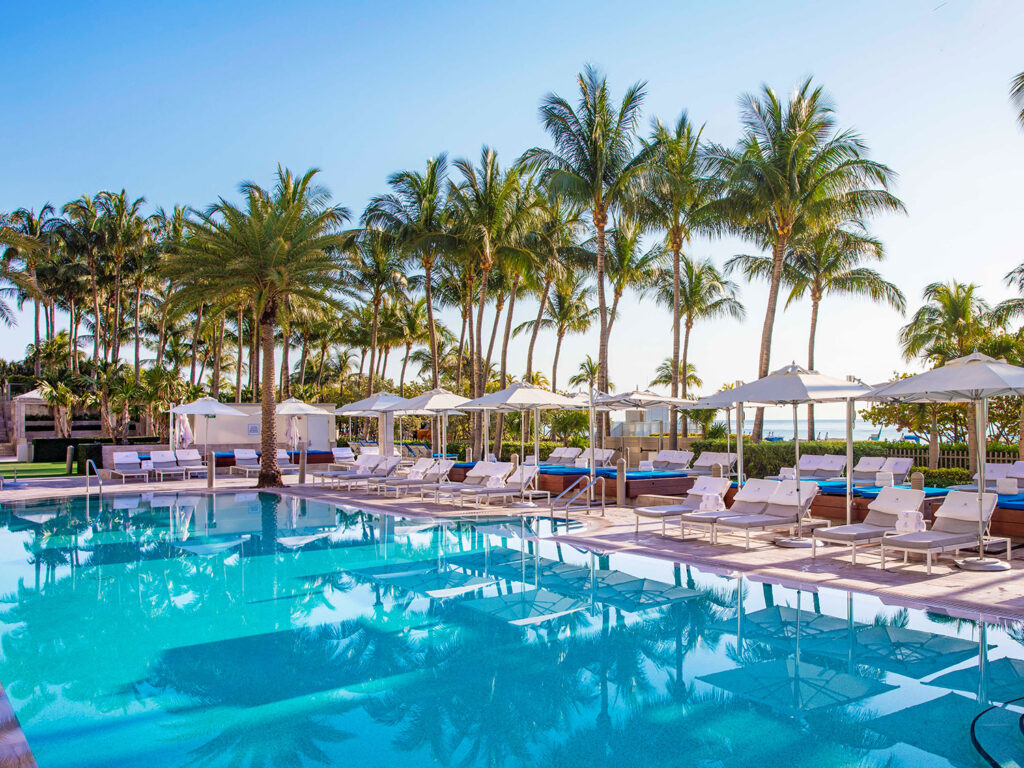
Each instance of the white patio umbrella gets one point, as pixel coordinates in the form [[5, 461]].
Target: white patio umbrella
[[520, 397], [208, 408], [371, 406], [640, 399], [971, 379], [791, 385], [296, 409], [435, 402]]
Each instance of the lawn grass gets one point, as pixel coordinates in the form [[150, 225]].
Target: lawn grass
[[32, 469]]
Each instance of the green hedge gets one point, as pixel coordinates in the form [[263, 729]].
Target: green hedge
[[767, 458], [943, 478], [56, 448]]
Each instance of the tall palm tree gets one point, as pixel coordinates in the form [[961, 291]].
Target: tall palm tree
[[592, 164], [794, 171], [953, 322], [568, 311], [586, 374], [84, 236], [1017, 96], [629, 267], [702, 293], [822, 263], [413, 327], [282, 243], [36, 231], [377, 275], [678, 186], [415, 213]]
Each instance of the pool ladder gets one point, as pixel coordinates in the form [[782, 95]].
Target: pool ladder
[[565, 499], [95, 471]]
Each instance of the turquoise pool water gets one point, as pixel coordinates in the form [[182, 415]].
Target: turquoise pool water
[[264, 631]]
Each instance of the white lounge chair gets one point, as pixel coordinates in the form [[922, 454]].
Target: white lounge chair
[[342, 458], [900, 468], [165, 465], [520, 484], [601, 457], [782, 512], [830, 466], [751, 499], [416, 471], [384, 469], [669, 460], [955, 527], [564, 456], [479, 475], [285, 463], [864, 471], [190, 460], [809, 465], [436, 473], [880, 521], [705, 463], [246, 461], [702, 486], [128, 464], [363, 465]]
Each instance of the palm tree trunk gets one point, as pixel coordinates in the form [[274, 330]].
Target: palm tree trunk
[[972, 439], [673, 435], [600, 217], [1020, 432], [254, 356], [270, 473], [373, 346], [536, 327], [320, 371], [96, 313], [554, 363], [685, 371], [481, 382], [498, 307], [474, 418], [405, 362], [161, 341], [428, 267], [810, 362], [499, 430], [38, 361], [462, 342], [239, 320], [286, 390], [933, 438], [218, 350], [765, 355], [138, 329], [303, 358], [115, 342], [195, 345]]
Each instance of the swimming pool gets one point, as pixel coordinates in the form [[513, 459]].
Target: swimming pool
[[254, 629]]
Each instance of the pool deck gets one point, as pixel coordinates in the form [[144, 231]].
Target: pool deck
[[996, 596]]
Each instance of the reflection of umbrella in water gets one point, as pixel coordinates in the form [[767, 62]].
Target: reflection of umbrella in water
[[780, 625], [298, 542], [940, 727], [794, 686], [1004, 679], [440, 584], [209, 548], [526, 608]]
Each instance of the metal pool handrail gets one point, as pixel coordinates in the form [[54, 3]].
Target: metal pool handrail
[[96, 471], [587, 488]]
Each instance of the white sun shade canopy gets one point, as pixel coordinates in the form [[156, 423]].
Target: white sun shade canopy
[[973, 377], [205, 406], [430, 403], [295, 407], [520, 397], [640, 398], [791, 385], [374, 404]]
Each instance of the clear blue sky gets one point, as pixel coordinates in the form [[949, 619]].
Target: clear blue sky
[[181, 102]]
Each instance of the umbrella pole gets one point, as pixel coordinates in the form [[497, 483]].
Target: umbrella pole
[[982, 562], [739, 443], [849, 460], [799, 540], [728, 449]]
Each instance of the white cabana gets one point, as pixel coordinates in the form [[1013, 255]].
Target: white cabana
[[640, 399], [295, 409], [971, 379], [792, 385]]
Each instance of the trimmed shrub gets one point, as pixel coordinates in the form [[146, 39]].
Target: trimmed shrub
[[767, 458], [944, 478]]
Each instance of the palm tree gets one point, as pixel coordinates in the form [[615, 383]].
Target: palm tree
[[592, 164], [36, 233], [415, 213], [663, 375], [678, 187], [84, 236], [702, 293], [585, 374], [1017, 96], [794, 171], [628, 266], [282, 244], [568, 311], [822, 263], [953, 322], [376, 272]]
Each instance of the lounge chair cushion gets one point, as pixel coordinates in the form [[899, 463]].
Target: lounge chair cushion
[[851, 533], [933, 539], [759, 521], [892, 501], [666, 510]]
